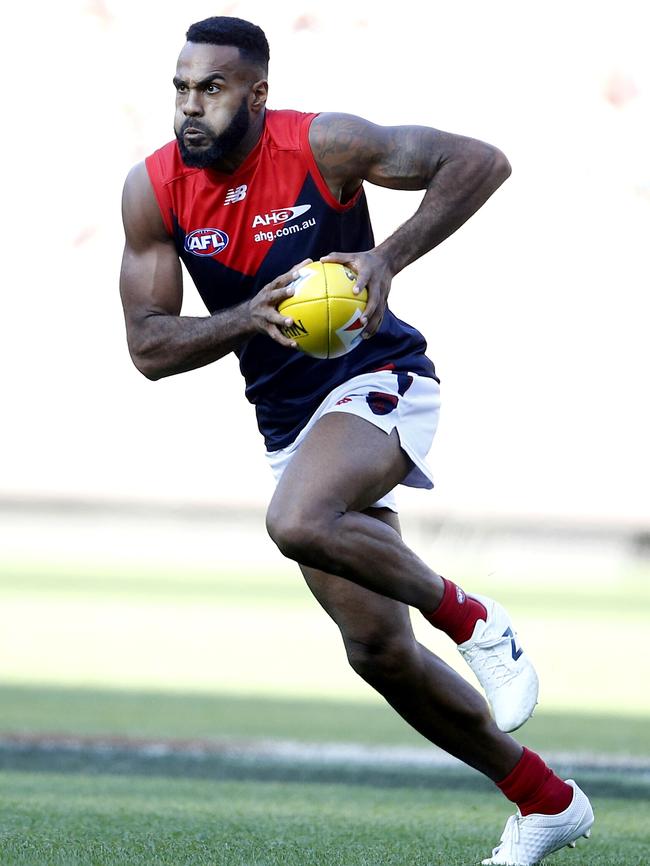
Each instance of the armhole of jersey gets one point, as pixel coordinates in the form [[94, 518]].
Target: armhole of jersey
[[164, 204], [316, 173]]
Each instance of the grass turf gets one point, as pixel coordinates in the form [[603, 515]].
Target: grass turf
[[259, 632], [89, 712], [107, 820], [205, 633], [247, 654]]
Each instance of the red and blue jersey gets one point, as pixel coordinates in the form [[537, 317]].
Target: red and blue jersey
[[237, 232]]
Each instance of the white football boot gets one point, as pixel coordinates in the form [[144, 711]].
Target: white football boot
[[501, 667], [528, 839]]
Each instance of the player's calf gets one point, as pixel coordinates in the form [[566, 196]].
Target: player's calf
[[382, 660]]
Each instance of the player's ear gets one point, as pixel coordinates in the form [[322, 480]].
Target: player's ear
[[259, 93]]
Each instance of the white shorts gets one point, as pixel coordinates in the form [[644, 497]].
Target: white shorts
[[408, 402]]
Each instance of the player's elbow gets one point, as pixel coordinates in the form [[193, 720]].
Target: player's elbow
[[481, 167], [500, 165], [495, 164], [148, 370], [144, 360], [142, 365]]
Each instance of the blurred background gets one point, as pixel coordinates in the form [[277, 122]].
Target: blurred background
[[134, 564]]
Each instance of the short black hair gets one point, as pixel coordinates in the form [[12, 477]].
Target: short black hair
[[224, 30]]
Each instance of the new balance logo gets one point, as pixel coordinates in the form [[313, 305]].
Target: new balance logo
[[516, 651], [237, 194]]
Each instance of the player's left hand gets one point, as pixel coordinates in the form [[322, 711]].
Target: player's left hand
[[374, 274]]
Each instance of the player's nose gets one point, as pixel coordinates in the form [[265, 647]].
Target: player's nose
[[192, 106]]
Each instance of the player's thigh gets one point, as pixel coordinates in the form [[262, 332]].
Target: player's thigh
[[344, 464]]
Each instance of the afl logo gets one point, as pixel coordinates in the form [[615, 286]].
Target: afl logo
[[206, 242]]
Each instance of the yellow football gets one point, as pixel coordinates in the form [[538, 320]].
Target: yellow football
[[326, 314]]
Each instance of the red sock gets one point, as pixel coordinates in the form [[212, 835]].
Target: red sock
[[534, 787], [457, 614]]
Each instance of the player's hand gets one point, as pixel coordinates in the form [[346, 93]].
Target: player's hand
[[374, 274], [263, 307]]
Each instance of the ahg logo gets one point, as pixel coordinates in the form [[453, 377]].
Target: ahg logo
[[280, 215]]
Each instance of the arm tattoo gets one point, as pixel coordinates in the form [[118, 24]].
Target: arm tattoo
[[409, 160], [348, 148]]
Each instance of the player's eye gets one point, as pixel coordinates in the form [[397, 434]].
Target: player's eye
[[181, 88], [212, 88]]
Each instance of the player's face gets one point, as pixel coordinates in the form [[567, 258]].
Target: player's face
[[217, 97]]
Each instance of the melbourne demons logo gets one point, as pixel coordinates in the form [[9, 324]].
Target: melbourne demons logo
[[206, 242]]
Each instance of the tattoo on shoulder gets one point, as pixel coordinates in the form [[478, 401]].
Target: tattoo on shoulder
[[339, 145], [349, 147]]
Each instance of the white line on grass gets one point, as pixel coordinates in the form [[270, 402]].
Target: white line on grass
[[290, 751]]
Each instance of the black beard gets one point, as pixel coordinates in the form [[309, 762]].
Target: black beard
[[221, 145]]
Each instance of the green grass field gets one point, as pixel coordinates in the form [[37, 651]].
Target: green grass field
[[240, 656], [142, 714], [259, 632], [53, 818]]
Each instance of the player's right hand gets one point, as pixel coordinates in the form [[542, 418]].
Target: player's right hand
[[263, 307]]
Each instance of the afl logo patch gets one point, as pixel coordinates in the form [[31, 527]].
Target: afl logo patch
[[206, 242]]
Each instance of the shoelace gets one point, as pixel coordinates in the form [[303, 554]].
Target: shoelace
[[510, 835], [491, 662]]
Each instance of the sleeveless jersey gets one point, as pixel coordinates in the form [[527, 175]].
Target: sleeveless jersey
[[236, 232]]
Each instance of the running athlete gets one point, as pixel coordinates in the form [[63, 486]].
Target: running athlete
[[244, 196]]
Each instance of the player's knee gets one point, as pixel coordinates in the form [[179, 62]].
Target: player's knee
[[298, 535], [380, 658]]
